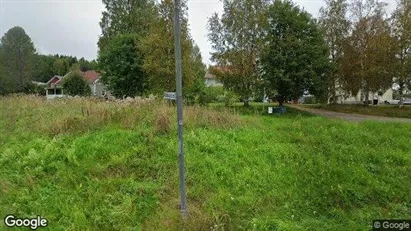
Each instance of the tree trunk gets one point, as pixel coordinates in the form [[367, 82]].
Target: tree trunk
[[281, 102], [246, 103], [401, 103], [295, 101], [20, 72], [367, 98], [334, 93]]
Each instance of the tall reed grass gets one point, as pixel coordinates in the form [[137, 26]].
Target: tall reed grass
[[83, 114]]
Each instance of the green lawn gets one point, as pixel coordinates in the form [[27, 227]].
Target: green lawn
[[91, 165], [380, 110]]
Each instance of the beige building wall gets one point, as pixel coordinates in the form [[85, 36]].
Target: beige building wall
[[359, 98]]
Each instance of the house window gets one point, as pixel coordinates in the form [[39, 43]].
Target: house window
[[58, 91], [50, 91]]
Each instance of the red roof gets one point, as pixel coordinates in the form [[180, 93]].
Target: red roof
[[221, 69], [91, 76], [59, 81], [54, 80]]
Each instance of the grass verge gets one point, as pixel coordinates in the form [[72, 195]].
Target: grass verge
[[115, 167]]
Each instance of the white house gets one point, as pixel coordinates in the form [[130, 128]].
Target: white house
[[210, 80], [55, 85], [54, 88], [374, 97]]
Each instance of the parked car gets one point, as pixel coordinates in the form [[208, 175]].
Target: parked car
[[407, 101], [394, 101]]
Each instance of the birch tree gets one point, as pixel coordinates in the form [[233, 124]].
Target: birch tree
[[401, 30], [368, 51], [335, 25], [158, 50], [237, 38]]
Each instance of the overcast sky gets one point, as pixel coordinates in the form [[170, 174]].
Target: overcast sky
[[71, 27]]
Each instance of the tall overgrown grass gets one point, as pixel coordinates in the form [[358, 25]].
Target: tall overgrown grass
[[77, 115], [87, 164]]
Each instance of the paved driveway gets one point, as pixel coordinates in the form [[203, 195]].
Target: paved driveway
[[350, 117]]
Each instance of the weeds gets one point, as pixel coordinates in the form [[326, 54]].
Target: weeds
[[79, 115], [87, 164]]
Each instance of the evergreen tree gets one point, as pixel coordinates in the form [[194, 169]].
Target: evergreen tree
[[401, 30], [17, 57]]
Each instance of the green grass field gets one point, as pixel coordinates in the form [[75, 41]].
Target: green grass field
[[380, 110], [91, 165]]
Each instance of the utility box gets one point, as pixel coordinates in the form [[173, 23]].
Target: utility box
[[276, 110]]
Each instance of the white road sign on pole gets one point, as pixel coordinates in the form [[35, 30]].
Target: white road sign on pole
[[170, 95]]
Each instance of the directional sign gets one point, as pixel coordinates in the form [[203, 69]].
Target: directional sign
[[170, 95]]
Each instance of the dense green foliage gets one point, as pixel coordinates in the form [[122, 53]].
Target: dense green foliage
[[75, 84], [218, 95], [19, 64], [90, 165], [3, 74], [49, 65], [125, 17], [296, 57], [335, 25], [237, 38], [61, 66], [44, 68], [151, 23], [270, 47], [159, 51], [17, 51], [194, 93], [121, 64]]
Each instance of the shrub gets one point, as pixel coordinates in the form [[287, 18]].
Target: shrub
[[29, 88], [190, 98], [121, 64], [217, 95], [310, 100], [212, 94], [75, 84], [230, 98]]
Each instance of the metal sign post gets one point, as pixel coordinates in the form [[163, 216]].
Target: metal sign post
[[179, 85]]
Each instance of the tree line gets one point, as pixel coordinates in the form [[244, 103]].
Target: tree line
[[20, 64], [260, 47], [278, 47], [136, 49], [369, 49]]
